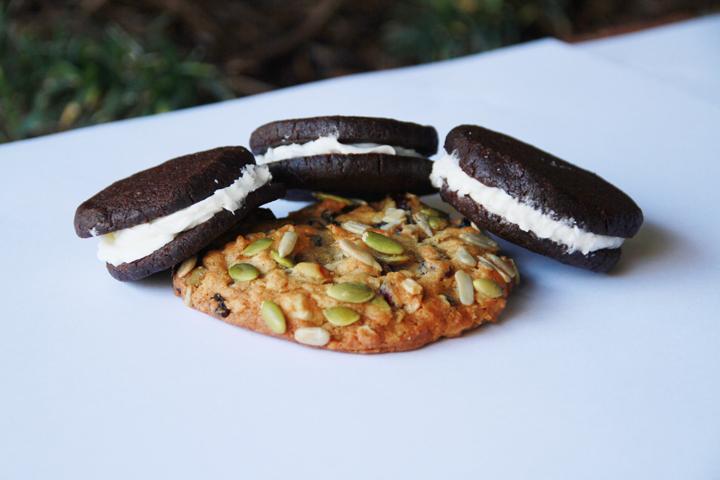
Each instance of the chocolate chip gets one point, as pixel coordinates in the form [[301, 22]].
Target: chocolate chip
[[328, 217], [451, 300], [401, 201], [316, 223], [221, 308], [387, 296]]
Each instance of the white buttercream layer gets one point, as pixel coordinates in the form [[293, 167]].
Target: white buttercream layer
[[327, 146], [133, 243], [528, 219]]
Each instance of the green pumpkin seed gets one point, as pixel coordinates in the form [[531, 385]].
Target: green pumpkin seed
[[196, 276], [341, 316], [257, 246], [431, 212], [437, 223], [382, 244], [313, 336], [487, 288], [243, 272], [282, 261], [350, 292], [273, 316], [391, 259], [381, 303], [287, 243], [328, 196], [464, 287]]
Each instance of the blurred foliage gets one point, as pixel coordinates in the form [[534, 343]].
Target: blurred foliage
[[427, 30], [61, 81], [69, 63]]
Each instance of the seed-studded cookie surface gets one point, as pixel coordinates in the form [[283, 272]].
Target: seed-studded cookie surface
[[381, 277]]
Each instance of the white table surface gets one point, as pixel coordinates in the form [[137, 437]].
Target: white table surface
[[588, 376], [685, 54]]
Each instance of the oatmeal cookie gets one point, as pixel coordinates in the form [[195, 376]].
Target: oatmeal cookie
[[351, 276]]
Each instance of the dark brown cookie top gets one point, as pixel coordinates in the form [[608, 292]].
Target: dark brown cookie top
[[161, 190], [543, 181], [337, 173], [384, 131]]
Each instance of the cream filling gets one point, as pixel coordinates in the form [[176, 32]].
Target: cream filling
[[330, 145], [527, 218], [133, 243]]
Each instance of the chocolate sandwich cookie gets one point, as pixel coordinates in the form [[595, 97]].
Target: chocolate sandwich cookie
[[354, 156], [534, 199], [156, 218]]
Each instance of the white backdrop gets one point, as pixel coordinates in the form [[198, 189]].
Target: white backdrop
[[588, 376]]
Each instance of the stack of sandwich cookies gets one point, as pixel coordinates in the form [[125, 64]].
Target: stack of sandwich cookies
[[353, 156], [156, 218], [348, 275], [534, 199]]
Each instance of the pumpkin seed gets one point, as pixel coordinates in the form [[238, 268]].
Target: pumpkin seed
[[196, 276], [185, 267], [381, 303], [341, 316], [352, 226], [336, 198], [313, 336], [243, 272], [287, 243], [391, 259], [487, 288], [353, 251], [381, 243], [350, 292], [464, 257], [282, 261], [437, 223], [187, 299], [257, 246], [464, 288], [431, 212], [273, 316]]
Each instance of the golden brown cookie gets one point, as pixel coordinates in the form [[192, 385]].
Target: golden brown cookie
[[381, 277]]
